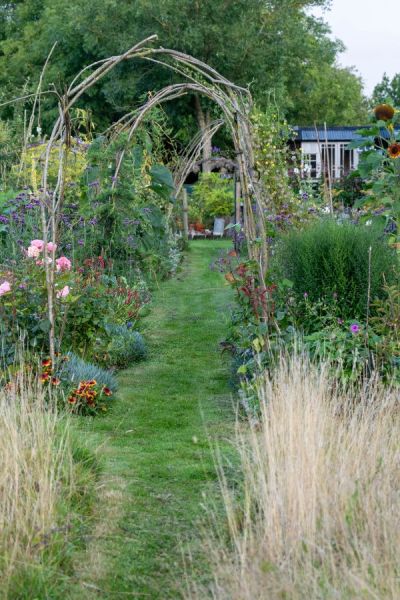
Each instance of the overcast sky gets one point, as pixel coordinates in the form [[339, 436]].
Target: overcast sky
[[370, 29]]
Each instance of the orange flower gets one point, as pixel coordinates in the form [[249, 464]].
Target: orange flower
[[232, 253], [384, 112], [46, 362], [44, 377], [107, 391], [55, 381], [229, 277], [394, 150], [91, 383], [72, 399]]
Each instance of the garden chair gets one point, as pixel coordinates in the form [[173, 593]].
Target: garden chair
[[219, 228]]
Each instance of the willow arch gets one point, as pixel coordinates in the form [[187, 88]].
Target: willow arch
[[235, 104]]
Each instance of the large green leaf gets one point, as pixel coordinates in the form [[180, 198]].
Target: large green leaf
[[162, 182]]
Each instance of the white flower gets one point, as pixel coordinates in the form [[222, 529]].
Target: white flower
[[33, 252]]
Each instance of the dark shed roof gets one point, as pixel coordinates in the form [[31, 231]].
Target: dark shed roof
[[334, 134]]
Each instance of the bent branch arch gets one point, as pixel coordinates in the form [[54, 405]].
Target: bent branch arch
[[235, 104]]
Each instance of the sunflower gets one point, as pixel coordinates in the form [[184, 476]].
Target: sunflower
[[384, 112], [394, 150]]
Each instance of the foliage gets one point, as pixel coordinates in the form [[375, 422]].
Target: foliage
[[386, 324], [312, 510], [125, 346], [329, 94], [212, 197], [23, 296], [276, 46], [292, 198], [103, 299], [111, 231], [317, 300], [87, 388], [348, 190], [388, 90], [76, 369], [272, 154], [330, 262], [30, 170], [48, 492], [10, 147], [379, 166]]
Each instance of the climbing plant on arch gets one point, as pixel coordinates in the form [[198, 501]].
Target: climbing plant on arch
[[235, 104]]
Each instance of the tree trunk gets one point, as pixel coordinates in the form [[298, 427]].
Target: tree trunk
[[204, 120]]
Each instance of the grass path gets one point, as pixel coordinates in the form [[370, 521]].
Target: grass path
[[155, 440]]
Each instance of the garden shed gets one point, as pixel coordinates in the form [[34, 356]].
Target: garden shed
[[325, 150]]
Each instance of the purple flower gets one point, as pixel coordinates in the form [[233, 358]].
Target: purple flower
[[340, 321], [81, 243], [354, 328], [305, 295], [3, 219]]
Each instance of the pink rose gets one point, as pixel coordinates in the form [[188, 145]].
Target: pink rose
[[5, 287], [63, 264], [51, 247], [33, 252], [39, 244], [64, 292]]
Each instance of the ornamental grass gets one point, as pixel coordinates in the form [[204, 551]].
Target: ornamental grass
[[314, 512]]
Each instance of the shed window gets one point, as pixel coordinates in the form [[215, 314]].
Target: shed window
[[346, 159]]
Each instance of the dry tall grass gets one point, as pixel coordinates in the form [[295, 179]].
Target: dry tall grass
[[36, 470], [318, 516]]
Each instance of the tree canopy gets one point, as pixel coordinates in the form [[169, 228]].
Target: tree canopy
[[388, 90], [274, 46]]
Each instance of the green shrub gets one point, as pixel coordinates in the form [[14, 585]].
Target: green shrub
[[212, 197], [126, 346], [330, 262]]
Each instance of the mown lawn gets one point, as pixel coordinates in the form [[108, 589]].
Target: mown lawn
[[156, 439]]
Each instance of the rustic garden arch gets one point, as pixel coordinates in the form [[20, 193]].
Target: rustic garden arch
[[234, 102]]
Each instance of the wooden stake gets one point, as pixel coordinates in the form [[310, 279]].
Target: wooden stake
[[185, 214]]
